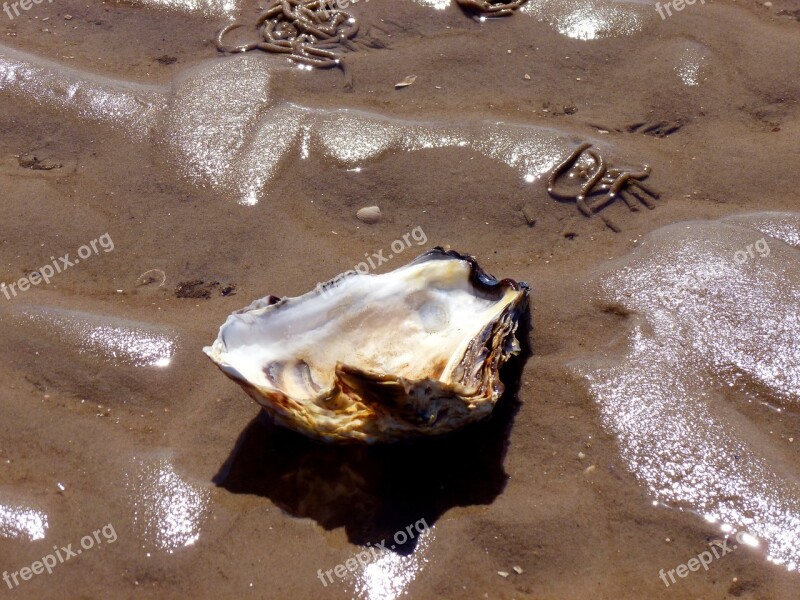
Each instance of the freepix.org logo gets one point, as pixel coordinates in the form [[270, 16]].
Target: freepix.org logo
[[48, 271], [15, 6], [60, 556], [678, 5]]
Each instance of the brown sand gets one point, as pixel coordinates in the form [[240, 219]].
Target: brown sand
[[274, 509]]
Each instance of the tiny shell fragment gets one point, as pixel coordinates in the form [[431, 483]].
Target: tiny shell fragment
[[406, 82]]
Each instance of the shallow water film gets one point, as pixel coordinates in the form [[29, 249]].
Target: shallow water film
[[626, 428]]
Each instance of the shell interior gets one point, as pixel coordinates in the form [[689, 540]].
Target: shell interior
[[378, 357]]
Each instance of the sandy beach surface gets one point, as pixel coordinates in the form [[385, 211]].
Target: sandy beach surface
[[655, 422]]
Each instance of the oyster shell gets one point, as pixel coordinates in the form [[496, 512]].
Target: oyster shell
[[366, 358]]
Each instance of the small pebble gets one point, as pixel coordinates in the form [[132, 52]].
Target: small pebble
[[517, 569], [526, 76], [503, 573], [581, 455], [369, 215], [588, 469], [611, 224], [68, 17], [529, 214]]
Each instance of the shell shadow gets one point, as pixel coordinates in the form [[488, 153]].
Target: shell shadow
[[376, 491]]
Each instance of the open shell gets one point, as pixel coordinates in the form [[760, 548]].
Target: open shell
[[366, 358]]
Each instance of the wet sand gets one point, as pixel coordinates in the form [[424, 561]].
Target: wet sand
[[206, 498]]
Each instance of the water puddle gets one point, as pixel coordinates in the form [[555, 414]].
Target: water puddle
[[705, 395], [114, 340], [167, 510], [591, 19]]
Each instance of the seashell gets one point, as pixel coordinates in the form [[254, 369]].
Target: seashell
[[409, 80], [369, 215], [367, 358]]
